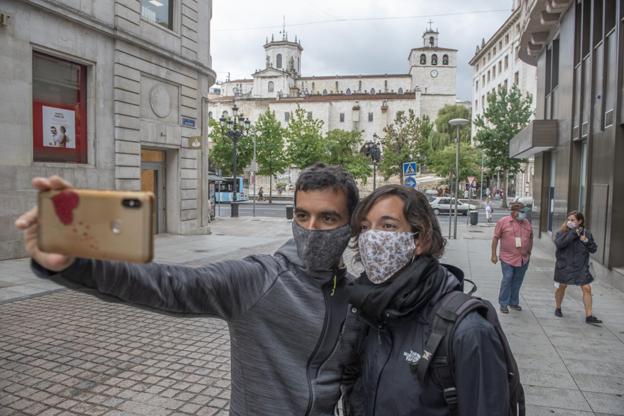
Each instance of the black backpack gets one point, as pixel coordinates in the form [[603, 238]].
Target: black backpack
[[437, 355]]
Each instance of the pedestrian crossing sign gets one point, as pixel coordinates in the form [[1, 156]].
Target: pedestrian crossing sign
[[409, 168]]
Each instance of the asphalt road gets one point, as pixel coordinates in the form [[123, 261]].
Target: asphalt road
[[277, 210]]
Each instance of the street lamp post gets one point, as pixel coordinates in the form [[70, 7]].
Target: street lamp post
[[235, 127], [371, 149], [457, 123]]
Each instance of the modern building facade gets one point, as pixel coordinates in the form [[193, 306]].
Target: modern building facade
[[496, 64], [577, 137], [108, 94], [347, 102]]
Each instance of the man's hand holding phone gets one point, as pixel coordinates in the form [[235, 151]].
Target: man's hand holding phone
[[29, 225]]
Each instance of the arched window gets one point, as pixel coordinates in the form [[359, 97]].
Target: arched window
[[431, 41], [209, 115], [324, 92], [445, 59], [372, 90], [400, 90], [434, 59], [359, 85], [271, 86], [312, 87], [348, 91], [423, 59], [278, 60]]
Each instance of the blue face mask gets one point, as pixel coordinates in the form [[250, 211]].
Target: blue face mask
[[521, 216]]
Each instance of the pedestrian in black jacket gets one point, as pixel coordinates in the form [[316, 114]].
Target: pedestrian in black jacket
[[574, 243], [399, 241]]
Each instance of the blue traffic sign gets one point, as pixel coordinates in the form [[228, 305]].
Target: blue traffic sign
[[410, 181], [409, 168]]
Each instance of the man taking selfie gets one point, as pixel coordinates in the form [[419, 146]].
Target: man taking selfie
[[290, 327]]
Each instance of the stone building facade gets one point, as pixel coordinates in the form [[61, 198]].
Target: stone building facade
[[496, 64], [348, 102], [108, 94]]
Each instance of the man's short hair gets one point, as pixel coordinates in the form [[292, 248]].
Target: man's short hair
[[320, 176], [516, 206]]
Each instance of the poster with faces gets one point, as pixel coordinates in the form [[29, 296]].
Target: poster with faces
[[59, 127]]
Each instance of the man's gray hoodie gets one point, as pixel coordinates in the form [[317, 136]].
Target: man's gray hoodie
[[292, 333]]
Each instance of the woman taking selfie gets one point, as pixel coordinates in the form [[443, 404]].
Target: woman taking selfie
[[399, 242], [574, 243]]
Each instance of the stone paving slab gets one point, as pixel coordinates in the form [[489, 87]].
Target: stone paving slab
[[71, 353]]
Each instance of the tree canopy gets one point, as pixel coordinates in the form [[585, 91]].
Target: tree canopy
[[405, 140], [221, 150], [507, 112]]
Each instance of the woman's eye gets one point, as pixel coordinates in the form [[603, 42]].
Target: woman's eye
[[364, 227]]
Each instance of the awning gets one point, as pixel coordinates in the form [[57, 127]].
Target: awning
[[216, 178], [539, 136]]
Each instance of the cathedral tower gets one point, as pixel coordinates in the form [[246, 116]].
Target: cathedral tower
[[283, 54]]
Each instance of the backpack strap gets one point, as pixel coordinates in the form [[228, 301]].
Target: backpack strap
[[437, 354]]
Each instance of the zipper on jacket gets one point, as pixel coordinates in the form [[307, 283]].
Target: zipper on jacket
[[316, 348], [382, 369]]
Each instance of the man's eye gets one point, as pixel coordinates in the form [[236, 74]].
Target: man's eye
[[389, 226], [329, 218]]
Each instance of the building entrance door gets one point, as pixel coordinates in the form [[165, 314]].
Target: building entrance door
[[153, 180]]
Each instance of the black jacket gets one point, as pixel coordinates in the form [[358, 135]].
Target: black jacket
[[388, 387], [572, 256]]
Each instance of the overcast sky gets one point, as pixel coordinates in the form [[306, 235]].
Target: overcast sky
[[341, 37]]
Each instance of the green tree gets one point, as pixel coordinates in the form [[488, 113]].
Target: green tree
[[507, 113], [305, 140], [270, 147], [343, 148], [221, 150], [449, 112], [405, 140], [443, 162]]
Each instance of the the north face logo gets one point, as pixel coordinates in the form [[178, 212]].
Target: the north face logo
[[411, 357]]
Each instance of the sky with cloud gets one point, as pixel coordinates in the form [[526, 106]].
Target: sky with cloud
[[350, 36]]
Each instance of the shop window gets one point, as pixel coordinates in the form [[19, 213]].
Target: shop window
[[59, 110], [159, 12]]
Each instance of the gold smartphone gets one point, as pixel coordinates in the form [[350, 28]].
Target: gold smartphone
[[106, 225]]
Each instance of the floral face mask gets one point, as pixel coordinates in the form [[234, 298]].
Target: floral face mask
[[383, 253]]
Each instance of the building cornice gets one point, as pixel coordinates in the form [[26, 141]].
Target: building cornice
[[540, 18], [323, 77], [78, 17], [283, 43], [515, 15]]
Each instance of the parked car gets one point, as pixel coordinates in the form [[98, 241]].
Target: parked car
[[445, 204]]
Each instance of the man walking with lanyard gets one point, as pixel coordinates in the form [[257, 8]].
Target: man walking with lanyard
[[516, 237]]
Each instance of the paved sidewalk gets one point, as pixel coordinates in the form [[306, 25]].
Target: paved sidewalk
[[70, 353]]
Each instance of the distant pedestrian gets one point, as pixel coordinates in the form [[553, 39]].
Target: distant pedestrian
[[488, 209], [574, 243], [516, 237], [261, 194]]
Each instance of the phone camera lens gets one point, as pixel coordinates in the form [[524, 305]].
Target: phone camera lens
[[131, 203]]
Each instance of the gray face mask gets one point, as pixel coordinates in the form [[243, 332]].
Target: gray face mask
[[321, 250]]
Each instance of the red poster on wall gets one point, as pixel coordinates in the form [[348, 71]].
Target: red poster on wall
[[59, 110]]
